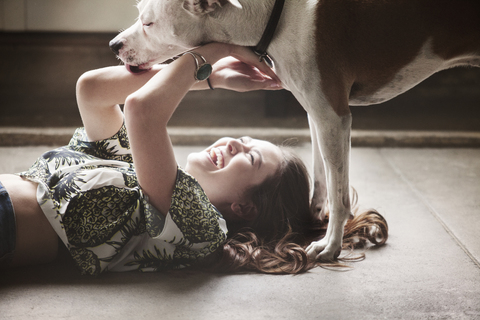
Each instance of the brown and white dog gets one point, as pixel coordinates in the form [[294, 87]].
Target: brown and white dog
[[330, 54]]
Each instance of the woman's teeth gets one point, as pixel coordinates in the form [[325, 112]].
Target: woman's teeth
[[217, 157]]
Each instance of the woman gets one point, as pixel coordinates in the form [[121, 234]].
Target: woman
[[114, 216]]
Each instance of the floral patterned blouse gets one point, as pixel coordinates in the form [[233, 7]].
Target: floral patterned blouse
[[90, 194]]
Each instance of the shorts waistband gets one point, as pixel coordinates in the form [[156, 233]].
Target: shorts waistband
[[8, 229]]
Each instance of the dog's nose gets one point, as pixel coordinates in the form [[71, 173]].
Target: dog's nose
[[116, 45]]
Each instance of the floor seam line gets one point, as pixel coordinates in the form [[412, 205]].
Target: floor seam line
[[430, 208]]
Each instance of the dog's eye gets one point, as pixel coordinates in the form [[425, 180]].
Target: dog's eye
[[148, 24]]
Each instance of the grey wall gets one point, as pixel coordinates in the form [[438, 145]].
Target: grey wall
[[67, 15]]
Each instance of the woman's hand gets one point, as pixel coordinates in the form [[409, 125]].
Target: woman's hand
[[232, 74], [237, 68]]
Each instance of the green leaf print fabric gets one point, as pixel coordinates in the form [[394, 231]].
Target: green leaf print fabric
[[90, 194]]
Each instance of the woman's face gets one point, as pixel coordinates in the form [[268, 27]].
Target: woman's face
[[229, 167]]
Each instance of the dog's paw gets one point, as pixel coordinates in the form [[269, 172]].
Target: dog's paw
[[315, 248], [323, 251]]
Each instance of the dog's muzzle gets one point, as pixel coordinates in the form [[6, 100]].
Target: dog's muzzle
[[116, 45]]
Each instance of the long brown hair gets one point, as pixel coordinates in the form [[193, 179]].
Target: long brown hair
[[276, 240]]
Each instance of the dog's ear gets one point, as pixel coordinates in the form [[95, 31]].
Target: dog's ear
[[200, 7], [235, 3]]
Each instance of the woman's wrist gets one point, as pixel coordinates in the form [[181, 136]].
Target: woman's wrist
[[213, 52]]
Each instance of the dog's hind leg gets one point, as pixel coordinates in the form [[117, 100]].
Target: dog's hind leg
[[333, 137]]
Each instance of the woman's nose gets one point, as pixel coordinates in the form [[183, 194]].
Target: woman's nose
[[234, 146]]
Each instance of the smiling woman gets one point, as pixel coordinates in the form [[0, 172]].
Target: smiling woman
[[230, 167], [118, 201]]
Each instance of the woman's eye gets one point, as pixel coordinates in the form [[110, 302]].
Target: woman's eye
[[252, 158]]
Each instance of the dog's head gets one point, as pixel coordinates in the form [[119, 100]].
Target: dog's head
[[164, 29]]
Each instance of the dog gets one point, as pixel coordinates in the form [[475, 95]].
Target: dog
[[330, 54]]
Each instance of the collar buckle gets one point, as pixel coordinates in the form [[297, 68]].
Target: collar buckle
[[262, 46]]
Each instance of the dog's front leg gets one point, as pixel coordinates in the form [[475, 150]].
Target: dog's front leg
[[318, 205], [333, 136]]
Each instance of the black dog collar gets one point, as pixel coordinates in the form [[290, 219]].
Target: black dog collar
[[262, 46]]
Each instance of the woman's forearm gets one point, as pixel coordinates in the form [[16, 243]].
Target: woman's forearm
[[98, 94]]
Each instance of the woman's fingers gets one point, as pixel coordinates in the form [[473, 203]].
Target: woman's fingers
[[247, 56], [232, 74]]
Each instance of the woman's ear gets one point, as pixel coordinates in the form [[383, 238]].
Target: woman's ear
[[244, 211]]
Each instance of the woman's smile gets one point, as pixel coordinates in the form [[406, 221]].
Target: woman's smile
[[217, 157]]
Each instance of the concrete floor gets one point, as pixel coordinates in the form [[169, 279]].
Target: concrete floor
[[429, 269]]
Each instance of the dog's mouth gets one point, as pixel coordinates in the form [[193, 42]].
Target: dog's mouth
[[136, 69]]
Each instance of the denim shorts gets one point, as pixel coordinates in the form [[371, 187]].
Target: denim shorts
[[8, 228]]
